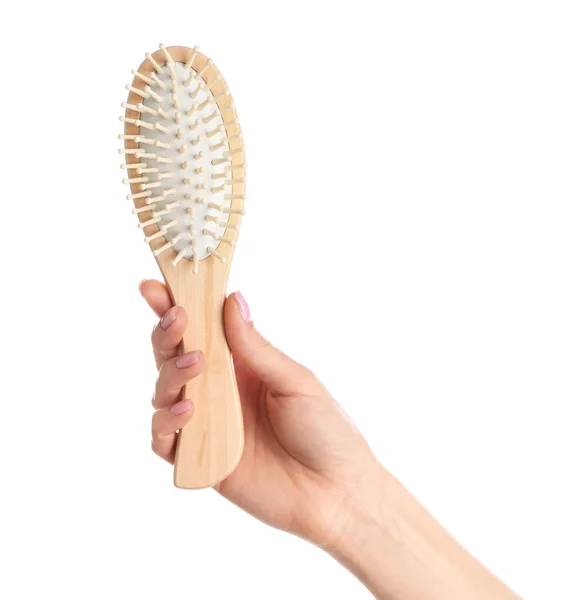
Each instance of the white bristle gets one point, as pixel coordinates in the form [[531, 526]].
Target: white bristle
[[147, 208], [211, 250], [135, 138], [216, 131], [149, 222], [158, 81], [163, 248], [153, 94], [147, 186], [219, 145], [135, 90], [161, 213], [179, 257], [224, 224], [163, 114], [142, 108], [211, 117], [190, 61], [203, 70], [138, 195], [137, 165], [154, 63], [155, 236], [142, 76], [169, 60], [200, 107]]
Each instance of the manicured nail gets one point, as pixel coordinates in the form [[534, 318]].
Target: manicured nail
[[180, 407], [141, 286], [245, 311], [168, 318], [188, 359]]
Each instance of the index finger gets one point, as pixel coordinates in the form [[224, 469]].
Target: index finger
[[157, 296]]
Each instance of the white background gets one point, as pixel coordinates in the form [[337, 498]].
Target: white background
[[413, 235]]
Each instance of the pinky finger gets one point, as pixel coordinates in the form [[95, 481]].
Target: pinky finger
[[165, 423]]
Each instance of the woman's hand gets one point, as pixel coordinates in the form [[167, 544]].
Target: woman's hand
[[307, 470], [302, 460]]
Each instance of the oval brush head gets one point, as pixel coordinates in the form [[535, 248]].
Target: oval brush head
[[185, 161]]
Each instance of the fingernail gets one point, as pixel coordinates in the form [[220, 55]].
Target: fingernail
[[180, 407], [188, 359], [245, 311], [140, 286], [168, 318]]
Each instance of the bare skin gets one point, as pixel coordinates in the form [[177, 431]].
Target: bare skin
[[307, 470]]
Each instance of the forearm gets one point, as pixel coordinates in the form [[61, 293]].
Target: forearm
[[400, 552]]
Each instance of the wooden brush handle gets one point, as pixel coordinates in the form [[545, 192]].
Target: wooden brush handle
[[210, 445]]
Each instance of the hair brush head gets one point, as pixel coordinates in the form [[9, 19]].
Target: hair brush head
[[184, 156]]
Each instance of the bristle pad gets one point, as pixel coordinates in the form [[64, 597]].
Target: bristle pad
[[181, 136]]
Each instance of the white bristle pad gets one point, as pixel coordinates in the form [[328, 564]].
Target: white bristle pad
[[190, 217]]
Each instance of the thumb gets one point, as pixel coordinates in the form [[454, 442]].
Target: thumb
[[279, 372]]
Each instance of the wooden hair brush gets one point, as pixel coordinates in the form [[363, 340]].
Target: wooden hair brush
[[186, 167]]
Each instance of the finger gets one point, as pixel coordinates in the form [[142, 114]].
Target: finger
[[168, 333], [174, 375], [157, 296], [281, 373], [165, 423]]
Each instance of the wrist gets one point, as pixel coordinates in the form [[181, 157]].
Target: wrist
[[398, 550], [367, 541]]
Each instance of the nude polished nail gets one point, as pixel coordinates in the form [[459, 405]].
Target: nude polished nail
[[168, 318], [245, 311], [188, 359], [180, 407]]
